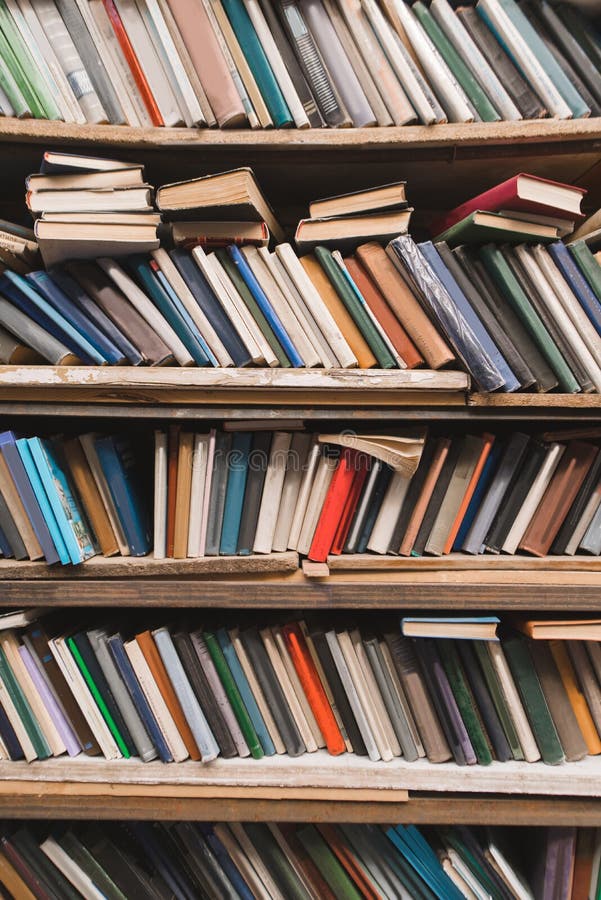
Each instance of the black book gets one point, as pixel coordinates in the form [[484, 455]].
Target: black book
[[10, 739], [274, 695], [498, 332], [223, 444], [204, 694], [338, 692], [363, 506], [567, 27], [123, 870], [167, 867], [437, 497], [29, 874], [80, 854], [207, 866], [52, 878], [515, 496], [257, 469], [484, 702], [411, 497], [274, 859], [207, 887], [11, 532], [171, 848], [370, 520], [558, 547]]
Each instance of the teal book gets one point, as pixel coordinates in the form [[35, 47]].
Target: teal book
[[45, 507], [24, 711], [24, 70], [258, 63], [234, 496]]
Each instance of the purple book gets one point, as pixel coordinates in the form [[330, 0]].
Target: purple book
[[54, 710], [551, 877]]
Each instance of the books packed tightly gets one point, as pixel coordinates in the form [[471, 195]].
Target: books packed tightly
[[508, 288], [296, 63]]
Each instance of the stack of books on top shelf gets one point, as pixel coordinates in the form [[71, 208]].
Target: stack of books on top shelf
[[451, 691], [302, 63], [328, 861]]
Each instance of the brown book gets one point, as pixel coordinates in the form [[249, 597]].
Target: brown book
[[305, 863], [568, 730], [22, 867], [12, 881], [339, 313], [90, 497], [172, 456], [112, 302], [152, 656], [576, 697], [558, 498], [587, 679], [182, 495], [583, 863], [405, 305], [17, 511], [417, 517], [397, 335]]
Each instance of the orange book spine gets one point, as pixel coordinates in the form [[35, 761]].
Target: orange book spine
[[348, 862], [172, 453], [333, 507], [440, 455], [313, 688], [361, 468], [576, 697], [489, 440]]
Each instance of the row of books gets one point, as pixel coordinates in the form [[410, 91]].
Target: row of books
[[146, 861], [312, 63], [454, 692]]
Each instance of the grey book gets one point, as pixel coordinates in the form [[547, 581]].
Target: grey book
[[572, 49], [587, 679], [591, 542], [363, 506], [562, 713], [253, 491], [352, 695], [412, 496], [223, 443], [391, 700], [438, 494], [36, 337], [98, 638], [11, 532], [447, 513]]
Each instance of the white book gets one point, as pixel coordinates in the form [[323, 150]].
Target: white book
[[74, 874], [298, 688], [297, 459], [150, 62], [308, 476], [206, 494], [296, 709], [399, 691], [169, 270], [256, 861], [89, 449], [513, 879], [15, 720], [159, 708], [379, 709], [466, 876], [276, 62], [512, 699], [272, 492], [241, 861], [257, 691], [388, 514], [231, 310], [160, 495], [197, 490], [340, 661], [533, 498], [320, 312], [283, 310], [583, 523], [323, 477]]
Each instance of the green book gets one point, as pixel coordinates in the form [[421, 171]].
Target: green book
[[327, 864], [253, 307], [24, 711], [465, 701], [18, 74], [98, 697], [272, 856], [482, 227], [356, 307], [500, 272], [84, 859], [12, 91], [45, 871], [494, 689], [588, 265], [472, 88], [453, 840], [233, 694], [24, 68], [524, 674]]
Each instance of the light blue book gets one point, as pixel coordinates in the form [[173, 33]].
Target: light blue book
[[434, 876], [42, 498], [186, 317], [474, 628], [234, 498]]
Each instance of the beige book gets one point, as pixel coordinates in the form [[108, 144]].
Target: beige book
[[462, 473], [325, 683], [356, 675], [257, 691], [10, 646], [308, 477], [374, 693], [298, 688], [388, 514], [593, 223], [587, 679], [585, 520], [89, 449], [398, 689], [272, 492], [184, 293], [292, 858], [17, 511], [512, 698], [159, 708], [15, 720], [297, 458], [182, 495], [255, 858], [533, 498], [159, 544], [458, 880], [319, 489], [291, 698], [241, 861], [74, 874], [400, 453], [197, 488]]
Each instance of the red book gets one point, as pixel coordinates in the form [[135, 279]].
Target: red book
[[333, 506], [522, 193], [361, 469], [313, 688]]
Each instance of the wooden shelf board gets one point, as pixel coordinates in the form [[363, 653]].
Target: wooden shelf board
[[547, 401]]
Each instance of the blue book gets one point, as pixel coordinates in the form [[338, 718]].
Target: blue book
[[64, 305], [247, 695], [490, 359], [211, 307], [118, 464], [164, 282], [76, 293], [8, 446], [129, 678], [486, 476], [167, 866], [23, 295], [183, 325], [434, 875], [226, 863], [265, 306], [585, 295], [46, 509], [234, 497], [5, 548]]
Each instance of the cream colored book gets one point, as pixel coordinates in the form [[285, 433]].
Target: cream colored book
[[297, 459], [320, 312], [169, 270], [324, 681], [593, 223], [272, 492], [401, 453], [297, 686], [15, 720], [89, 449], [512, 698], [388, 514], [533, 498], [462, 877], [306, 485], [257, 691], [160, 495], [197, 489], [241, 861], [358, 678], [159, 708], [319, 489], [339, 655], [398, 689], [206, 497], [17, 511], [74, 874], [374, 693], [298, 715], [256, 861]]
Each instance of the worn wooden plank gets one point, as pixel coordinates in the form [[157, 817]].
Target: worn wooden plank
[[369, 562], [525, 401]]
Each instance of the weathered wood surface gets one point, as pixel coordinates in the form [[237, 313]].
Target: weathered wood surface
[[370, 562], [551, 401]]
